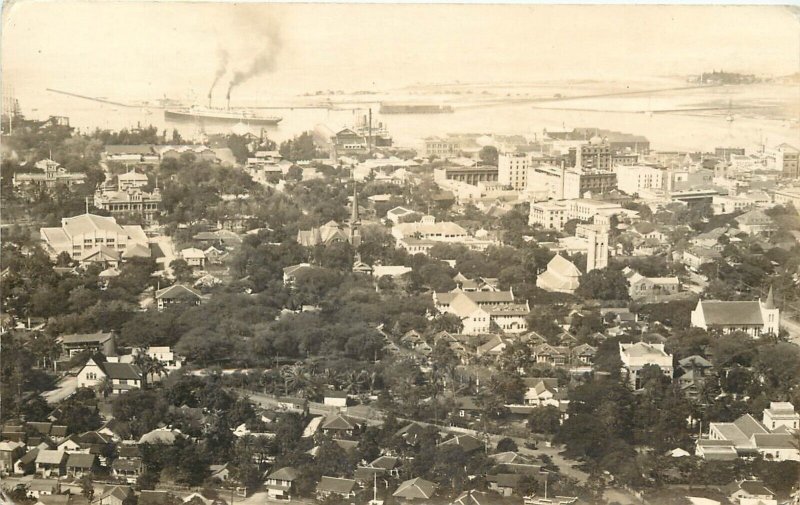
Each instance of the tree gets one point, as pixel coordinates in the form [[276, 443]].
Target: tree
[[506, 445], [488, 155], [181, 270], [87, 489], [603, 284], [545, 420]]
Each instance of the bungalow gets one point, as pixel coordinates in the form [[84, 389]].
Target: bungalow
[[290, 273], [411, 433], [556, 356], [695, 257], [99, 342], [43, 487], [194, 257], [340, 425], [756, 222], [468, 443], [177, 294], [415, 490], [51, 463], [388, 464], [26, 464], [127, 469], [79, 464], [279, 483], [113, 495], [641, 287], [584, 354], [343, 488], [750, 492], [542, 392], [504, 483]]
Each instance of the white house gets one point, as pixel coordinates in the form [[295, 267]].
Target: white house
[[122, 376], [636, 356], [194, 257]]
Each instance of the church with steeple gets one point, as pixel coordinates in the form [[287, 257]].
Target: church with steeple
[[756, 318]]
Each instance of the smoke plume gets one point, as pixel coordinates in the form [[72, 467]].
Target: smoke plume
[[264, 61], [222, 67]]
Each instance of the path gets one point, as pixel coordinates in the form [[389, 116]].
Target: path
[[65, 388]]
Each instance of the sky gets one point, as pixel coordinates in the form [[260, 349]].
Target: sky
[[150, 49]]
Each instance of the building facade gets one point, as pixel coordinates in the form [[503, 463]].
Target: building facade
[[512, 170]]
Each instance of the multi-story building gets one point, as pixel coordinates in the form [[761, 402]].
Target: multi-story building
[[595, 155], [132, 201], [788, 196], [472, 175], [637, 356], [512, 170], [579, 182], [633, 179], [597, 241], [546, 182], [787, 161], [442, 148], [726, 152], [82, 236], [554, 214], [52, 174]]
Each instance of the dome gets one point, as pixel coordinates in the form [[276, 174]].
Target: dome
[[596, 140]]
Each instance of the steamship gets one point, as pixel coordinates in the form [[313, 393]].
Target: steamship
[[208, 113]]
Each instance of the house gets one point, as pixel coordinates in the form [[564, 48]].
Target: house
[[327, 486], [480, 284], [131, 201], [504, 483], [122, 376], [290, 273], [756, 222], [51, 463], [583, 354], [26, 464], [164, 354], [43, 487], [177, 294], [113, 495], [411, 433], [131, 180], [781, 414], [695, 257], [99, 342], [473, 497], [561, 276], [691, 373], [194, 257], [750, 492], [556, 356], [147, 497], [541, 392], [650, 288], [335, 398], [388, 464], [637, 356], [279, 483], [746, 437], [80, 464], [468, 443], [10, 452], [493, 347], [90, 235], [339, 425], [127, 469], [415, 490], [752, 317]]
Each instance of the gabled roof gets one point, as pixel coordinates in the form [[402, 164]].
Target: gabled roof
[[81, 460], [415, 489], [335, 485], [474, 497], [339, 422], [385, 462], [86, 338], [467, 442], [177, 291], [51, 457], [563, 267], [731, 313], [695, 361], [125, 371], [285, 473]]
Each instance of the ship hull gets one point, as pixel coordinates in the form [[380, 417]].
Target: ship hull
[[178, 115]]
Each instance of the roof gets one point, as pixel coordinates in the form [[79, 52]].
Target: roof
[[719, 313], [640, 349], [415, 489], [338, 422], [85, 338], [755, 488], [385, 462], [91, 224], [122, 371], [474, 497], [285, 473], [48, 456], [127, 465], [130, 149], [563, 267], [695, 361], [467, 442], [177, 291], [773, 440], [335, 485], [81, 460]]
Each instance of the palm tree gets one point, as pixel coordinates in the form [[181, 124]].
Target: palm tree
[[104, 387]]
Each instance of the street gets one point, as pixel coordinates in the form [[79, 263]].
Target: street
[[65, 388]]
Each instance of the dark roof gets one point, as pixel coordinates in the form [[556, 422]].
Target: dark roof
[[335, 485], [86, 338], [731, 313], [415, 489], [285, 473], [154, 497], [177, 291], [467, 442], [122, 371], [339, 422], [81, 460], [132, 149]]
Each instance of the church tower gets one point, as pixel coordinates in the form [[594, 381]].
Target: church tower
[[355, 220], [770, 314], [597, 252]]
